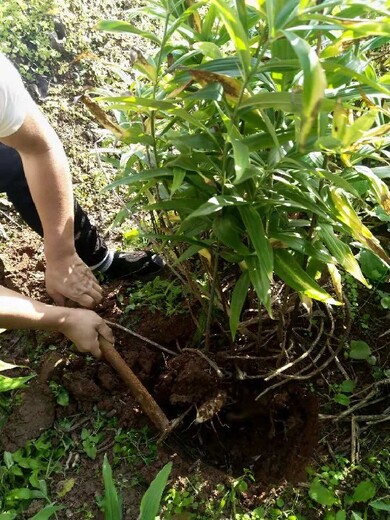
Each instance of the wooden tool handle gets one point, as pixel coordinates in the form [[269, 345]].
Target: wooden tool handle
[[145, 400]]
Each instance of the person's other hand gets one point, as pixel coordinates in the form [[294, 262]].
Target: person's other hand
[[85, 329], [69, 278]]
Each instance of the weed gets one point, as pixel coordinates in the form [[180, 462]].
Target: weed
[[160, 295]]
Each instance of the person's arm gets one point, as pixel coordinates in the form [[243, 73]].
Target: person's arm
[[83, 327], [47, 173]]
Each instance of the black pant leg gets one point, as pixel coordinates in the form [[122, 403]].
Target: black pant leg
[[89, 245]]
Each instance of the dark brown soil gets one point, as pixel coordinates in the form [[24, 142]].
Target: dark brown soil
[[34, 415]]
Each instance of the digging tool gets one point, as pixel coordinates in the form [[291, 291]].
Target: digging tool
[[142, 396]]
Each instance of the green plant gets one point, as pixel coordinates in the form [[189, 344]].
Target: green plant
[[24, 475], [60, 393], [131, 445], [249, 132], [11, 383], [25, 35], [90, 441], [161, 295], [151, 500], [112, 505]]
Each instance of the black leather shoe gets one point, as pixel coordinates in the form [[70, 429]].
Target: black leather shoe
[[138, 265]]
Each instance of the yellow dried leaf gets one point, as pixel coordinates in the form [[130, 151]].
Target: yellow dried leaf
[[206, 254], [231, 86], [101, 116]]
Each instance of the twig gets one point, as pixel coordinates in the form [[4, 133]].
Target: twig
[[209, 361], [211, 302], [362, 403], [10, 219], [336, 358], [354, 440], [142, 338], [272, 375]]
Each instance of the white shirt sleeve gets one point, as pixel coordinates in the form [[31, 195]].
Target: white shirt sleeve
[[14, 99]]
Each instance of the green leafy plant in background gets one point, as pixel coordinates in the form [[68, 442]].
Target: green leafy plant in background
[[26, 29], [255, 134]]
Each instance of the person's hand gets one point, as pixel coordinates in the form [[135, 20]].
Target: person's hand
[[69, 278], [85, 329]]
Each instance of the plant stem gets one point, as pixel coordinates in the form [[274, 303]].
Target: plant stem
[[211, 302]]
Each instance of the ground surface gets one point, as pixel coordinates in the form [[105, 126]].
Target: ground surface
[[275, 437]]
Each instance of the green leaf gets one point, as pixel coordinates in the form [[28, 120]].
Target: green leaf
[[372, 266], [341, 515], [314, 82], [144, 176], [178, 178], [364, 491], [47, 512], [347, 386], [342, 399], [236, 32], [359, 350], [23, 494], [136, 103], [125, 27], [227, 230], [321, 494], [112, 503], [239, 295], [356, 516], [260, 281], [216, 204], [255, 229], [8, 516], [150, 503], [347, 215], [209, 49], [341, 251], [288, 269], [12, 383], [380, 505], [357, 130]]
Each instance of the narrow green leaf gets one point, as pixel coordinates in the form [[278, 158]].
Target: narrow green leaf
[[380, 505], [136, 103], [12, 383], [236, 32], [216, 204], [314, 82], [125, 27], [347, 215], [239, 295], [112, 503], [47, 512], [178, 178], [144, 176], [342, 252], [255, 229], [260, 281], [288, 269], [357, 129], [150, 503]]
